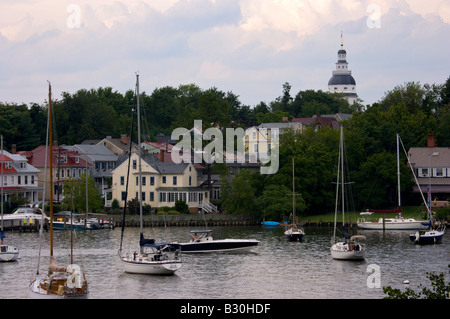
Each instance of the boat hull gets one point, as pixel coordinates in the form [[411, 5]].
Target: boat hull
[[342, 251], [405, 224], [427, 237], [38, 292], [150, 267], [66, 226], [8, 253], [219, 245]]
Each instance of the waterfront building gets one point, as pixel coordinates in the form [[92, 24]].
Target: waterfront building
[[163, 183], [66, 165], [19, 178], [431, 165]]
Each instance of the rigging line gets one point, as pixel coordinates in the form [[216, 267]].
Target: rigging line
[[128, 178]]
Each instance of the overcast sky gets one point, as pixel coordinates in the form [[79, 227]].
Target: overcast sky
[[249, 47]]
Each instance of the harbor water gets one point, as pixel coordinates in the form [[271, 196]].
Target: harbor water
[[276, 269]]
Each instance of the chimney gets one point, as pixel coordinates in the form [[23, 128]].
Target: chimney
[[124, 139], [431, 140], [13, 149], [161, 155]]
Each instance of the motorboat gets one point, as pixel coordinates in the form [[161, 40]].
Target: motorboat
[[65, 221], [203, 242], [24, 215]]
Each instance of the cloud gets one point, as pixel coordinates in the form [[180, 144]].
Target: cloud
[[250, 47]]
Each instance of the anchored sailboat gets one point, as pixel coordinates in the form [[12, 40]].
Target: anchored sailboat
[[294, 233], [396, 223], [7, 252], [60, 281], [349, 248], [152, 258]]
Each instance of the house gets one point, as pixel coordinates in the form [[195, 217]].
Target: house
[[118, 146], [19, 178], [66, 165], [163, 183], [431, 165], [102, 161]]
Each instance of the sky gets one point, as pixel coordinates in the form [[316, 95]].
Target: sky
[[248, 47]]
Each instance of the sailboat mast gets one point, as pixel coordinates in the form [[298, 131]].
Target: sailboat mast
[[337, 193], [50, 153], [398, 172], [139, 151], [342, 173], [293, 193]]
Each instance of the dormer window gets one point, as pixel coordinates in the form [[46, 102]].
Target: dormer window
[[62, 159], [77, 159]]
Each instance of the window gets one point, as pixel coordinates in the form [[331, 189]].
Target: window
[[19, 180], [26, 179], [122, 180], [439, 172], [124, 196], [152, 180], [163, 179], [152, 196], [190, 180], [143, 181], [174, 179], [137, 180], [162, 197], [32, 179], [134, 164], [143, 196]]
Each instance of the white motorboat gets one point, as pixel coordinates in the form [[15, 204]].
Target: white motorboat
[[203, 242], [349, 248]]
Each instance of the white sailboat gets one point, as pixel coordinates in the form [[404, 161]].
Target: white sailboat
[[350, 248], [61, 282], [152, 258], [7, 252], [294, 232], [398, 222]]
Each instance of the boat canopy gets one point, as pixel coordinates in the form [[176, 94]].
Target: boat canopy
[[388, 211], [146, 241], [200, 231]]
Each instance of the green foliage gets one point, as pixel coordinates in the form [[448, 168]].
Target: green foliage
[[75, 190], [238, 195], [181, 207], [440, 290]]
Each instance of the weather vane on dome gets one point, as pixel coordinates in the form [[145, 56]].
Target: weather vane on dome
[[342, 40]]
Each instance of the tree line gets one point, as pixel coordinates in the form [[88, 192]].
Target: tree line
[[413, 110]]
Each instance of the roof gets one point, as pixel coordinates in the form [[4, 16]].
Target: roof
[[342, 79], [36, 157], [98, 153], [16, 167], [430, 156]]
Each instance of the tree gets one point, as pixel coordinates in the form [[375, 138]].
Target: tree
[[75, 190], [440, 290], [238, 195]]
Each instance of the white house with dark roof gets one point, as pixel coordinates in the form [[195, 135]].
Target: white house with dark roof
[[19, 178]]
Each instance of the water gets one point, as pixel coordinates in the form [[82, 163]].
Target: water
[[277, 269]]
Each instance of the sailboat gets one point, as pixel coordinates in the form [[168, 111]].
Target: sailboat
[[294, 233], [350, 248], [61, 281], [152, 258], [7, 252], [431, 235], [398, 222]]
